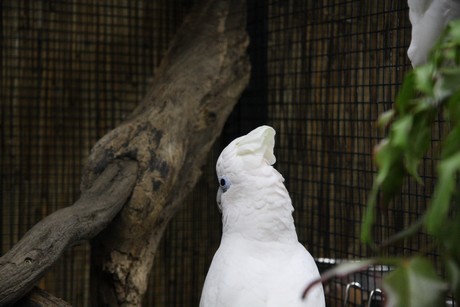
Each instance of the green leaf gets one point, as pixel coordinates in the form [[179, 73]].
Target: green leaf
[[399, 135], [451, 144], [453, 274], [389, 160], [440, 202], [385, 155], [447, 83], [385, 118], [450, 238], [453, 31], [392, 184], [406, 93], [419, 141], [424, 78], [453, 108], [368, 218], [414, 284]]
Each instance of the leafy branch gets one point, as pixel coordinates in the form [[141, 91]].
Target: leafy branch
[[427, 92]]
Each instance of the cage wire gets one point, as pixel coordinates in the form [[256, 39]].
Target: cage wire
[[71, 71], [322, 72]]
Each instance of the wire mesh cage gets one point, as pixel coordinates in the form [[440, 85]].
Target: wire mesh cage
[[322, 72]]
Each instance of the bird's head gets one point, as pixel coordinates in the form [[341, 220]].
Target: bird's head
[[251, 195], [243, 162], [245, 173]]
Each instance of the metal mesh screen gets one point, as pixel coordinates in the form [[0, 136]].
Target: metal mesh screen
[[333, 67], [322, 72]]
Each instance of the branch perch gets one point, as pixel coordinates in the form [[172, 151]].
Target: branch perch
[[38, 298], [169, 134], [43, 244], [146, 166]]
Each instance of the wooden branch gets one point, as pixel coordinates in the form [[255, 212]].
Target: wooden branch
[[39, 298], [169, 134], [163, 144], [42, 245]]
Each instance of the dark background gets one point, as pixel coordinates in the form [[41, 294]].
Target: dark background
[[322, 72]]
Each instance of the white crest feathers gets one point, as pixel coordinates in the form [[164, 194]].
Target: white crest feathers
[[259, 142]]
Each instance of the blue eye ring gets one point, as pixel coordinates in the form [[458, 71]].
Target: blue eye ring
[[224, 183]]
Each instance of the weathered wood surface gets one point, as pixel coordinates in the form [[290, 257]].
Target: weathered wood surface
[[170, 133], [42, 245], [39, 298], [163, 144]]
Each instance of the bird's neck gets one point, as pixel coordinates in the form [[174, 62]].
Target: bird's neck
[[268, 218], [259, 207]]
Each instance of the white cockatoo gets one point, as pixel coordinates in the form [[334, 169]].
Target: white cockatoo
[[428, 19], [260, 261]]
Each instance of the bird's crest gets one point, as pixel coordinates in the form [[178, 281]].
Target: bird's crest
[[258, 142]]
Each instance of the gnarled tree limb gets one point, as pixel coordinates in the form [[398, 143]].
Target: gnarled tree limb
[[42, 245], [149, 163], [169, 134]]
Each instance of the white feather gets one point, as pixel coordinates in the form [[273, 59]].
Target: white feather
[[259, 261], [428, 18]]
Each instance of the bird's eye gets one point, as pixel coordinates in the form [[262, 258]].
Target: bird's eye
[[224, 183]]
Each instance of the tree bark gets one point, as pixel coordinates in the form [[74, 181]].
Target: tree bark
[[149, 164], [39, 298], [169, 134], [43, 244]]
